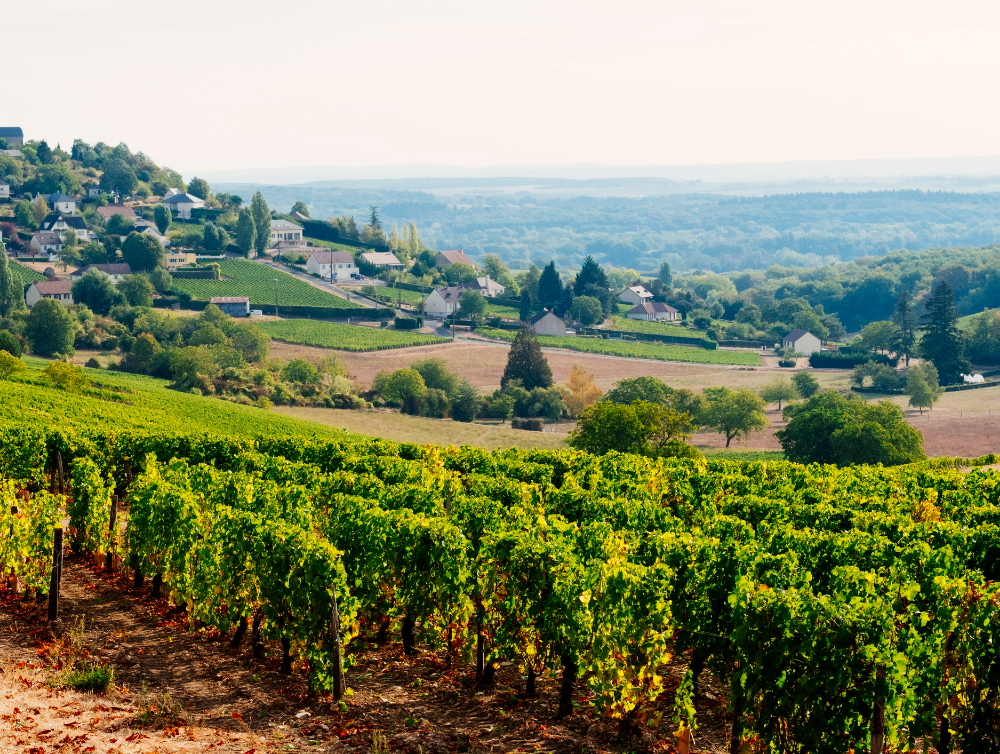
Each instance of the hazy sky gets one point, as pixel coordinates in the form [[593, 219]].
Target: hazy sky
[[217, 85]]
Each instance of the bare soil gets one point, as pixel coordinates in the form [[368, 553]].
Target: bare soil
[[178, 690]]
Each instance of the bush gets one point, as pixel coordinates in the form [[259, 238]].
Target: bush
[[92, 363], [848, 360], [786, 362], [409, 323], [532, 425]]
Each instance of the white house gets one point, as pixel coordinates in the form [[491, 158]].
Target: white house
[[4, 190], [148, 230], [54, 222], [183, 204], [59, 202], [547, 323], [60, 290], [973, 379], [171, 192], [635, 294], [331, 265], [802, 341], [93, 190], [443, 302], [489, 288], [116, 271], [654, 311], [46, 242], [282, 230], [382, 259]]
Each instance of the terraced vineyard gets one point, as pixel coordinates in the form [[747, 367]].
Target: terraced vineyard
[[27, 274], [634, 349], [244, 278], [310, 332]]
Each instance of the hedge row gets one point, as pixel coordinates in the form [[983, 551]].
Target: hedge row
[[325, 231], [680, 340], [314, 312], [841, 361]]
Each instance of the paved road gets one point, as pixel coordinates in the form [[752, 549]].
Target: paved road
[[322, 285]]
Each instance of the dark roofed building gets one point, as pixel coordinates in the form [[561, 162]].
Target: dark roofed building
[[14, 136], [547, 323]]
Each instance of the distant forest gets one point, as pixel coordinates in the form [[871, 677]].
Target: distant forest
[[690, 231]]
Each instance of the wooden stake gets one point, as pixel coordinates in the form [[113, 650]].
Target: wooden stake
[[112, 533], [59, 466], [57, 557], [12, 581], [338, 666]]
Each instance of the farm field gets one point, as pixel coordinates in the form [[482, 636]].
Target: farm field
[[654, 328], [634, 349], [345, 337], [255, 280]]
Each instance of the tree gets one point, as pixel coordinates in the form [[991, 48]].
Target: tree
[[497, 270], [299, 207], [437, 376], [465, 405], [525, 362], [643, 388], [922, 385], [809, 320], [262, 222], [68, 377], [140, 355], [41, 209], [590, 274], [137, 290], [68, 254], [96, 291], [394, 242], [9, 364], [942, 342], [641, 428], [806, 384], [11, 285], [142, 252], [44, 152], [246, 232], [583, 393], [10, 343], [526, 305], [406, 387], [161, 280], [878, 336], [734, 413], [665, 276], [199, 187], [831, 428], [905, 341], [414, 241], [251, 342], [50, 328], [212, 238], [375, 220], [778, 390], [301, 371], [161, 216], [118, 178], [93, 253], [471, 305], [458, 273], [549, 287], [587, 310], [119, 225], [24, 214]]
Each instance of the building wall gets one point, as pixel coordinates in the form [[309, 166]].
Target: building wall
[[436, 306], [631, 297], [808, 344], [550, 325], [235, 310]]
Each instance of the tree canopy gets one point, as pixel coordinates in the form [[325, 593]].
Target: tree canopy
[[642, 428], [50, 328], [942, 342], [526, 362], [142, 252]]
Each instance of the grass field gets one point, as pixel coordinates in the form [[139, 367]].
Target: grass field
[[312, 332], [153, 407], [244, 278], [634, 349], [384, 293], [494, 309], [655, 328]]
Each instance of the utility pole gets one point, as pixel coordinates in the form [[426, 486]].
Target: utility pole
[[275, 296]]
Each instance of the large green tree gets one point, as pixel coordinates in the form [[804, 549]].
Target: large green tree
[[922, 385], [666, 278], [643, 388], [942, 342], [549, 287], [11, 285], [526, 305], [779, 390], [118, 177], [733, 413], [261, 214], [905, 341], [199, 187], [471, 305], [96, 291], [590, 274], [525, 362], [50, 328], [641, 427], [142, 252], [246, 232], [137, 290], [161, 216]]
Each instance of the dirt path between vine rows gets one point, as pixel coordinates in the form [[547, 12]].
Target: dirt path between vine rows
[[178, 690]]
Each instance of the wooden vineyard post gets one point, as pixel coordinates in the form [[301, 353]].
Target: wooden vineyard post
[[684, 742], [338, 667], [112, 534], [59, 467], [12, 579], [57, 561]]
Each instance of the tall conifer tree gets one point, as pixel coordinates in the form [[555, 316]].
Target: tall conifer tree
[[526, 363], [549, 287], [942, 342], [246, 232], [11, 286], [905, 340]]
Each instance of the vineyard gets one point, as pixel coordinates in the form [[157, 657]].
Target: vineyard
[[633, 349], [27, 274], [345, 337], [244, 278], [655, 328], [847, 609]]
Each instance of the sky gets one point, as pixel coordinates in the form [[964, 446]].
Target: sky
[[221, 85]]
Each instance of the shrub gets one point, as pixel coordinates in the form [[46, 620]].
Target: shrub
[[97, 678], [786, 362], [409, 323], [93, 363], [532, 425]]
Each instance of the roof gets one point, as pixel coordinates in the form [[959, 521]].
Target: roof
[[11, 131], [59, 196], [230, 300], [380, 257], [116, 209], [639, 290], [52, 287], [457, 255], [73, 221], [451, 292], [115, 268], [796, 334], [542, 315], [183, 199], [47, 237], [284, 225], [332, 257], [486, 283], [653, 307]]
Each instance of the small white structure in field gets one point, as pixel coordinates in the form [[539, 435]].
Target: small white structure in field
[[973, 379], [802, 341]]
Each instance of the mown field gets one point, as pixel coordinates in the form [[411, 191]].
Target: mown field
[[245, 278], [634, 349], [654, 328], [345, 337]]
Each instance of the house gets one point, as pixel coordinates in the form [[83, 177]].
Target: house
[[802, 341], [55, 222], [444, 258], [332, 265], [443, 302], [282, 230], [234, 306], [4, 190], [46, 242], [635, 294], [93, 190], [382, 259], [299, 216], [171, 192], [60, 290], [182, 204], [116, 209], [547, 323], [114, 271], [148, 230], [489, 288], [59, 202], [654, 311], [13, 135], [174, 259]]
